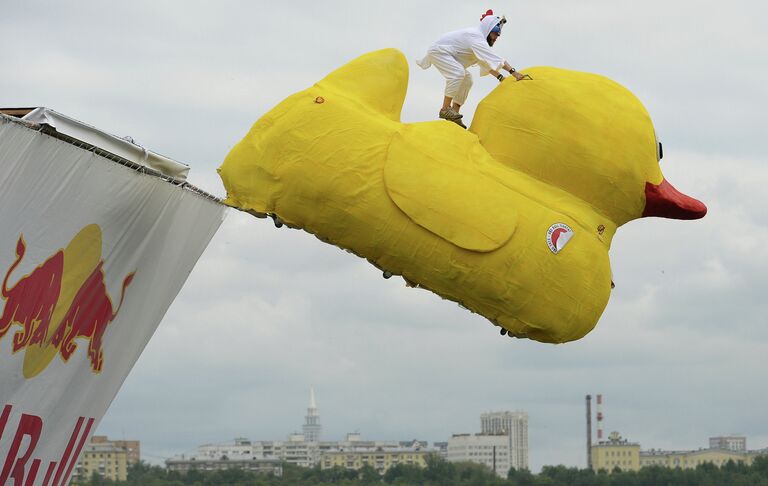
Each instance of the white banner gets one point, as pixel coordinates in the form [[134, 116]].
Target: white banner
[[92, 253]]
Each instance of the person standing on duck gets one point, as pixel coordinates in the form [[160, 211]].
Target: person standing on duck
[[455, 51]]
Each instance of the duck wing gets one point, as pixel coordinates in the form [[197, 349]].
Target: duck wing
[[433, 173]]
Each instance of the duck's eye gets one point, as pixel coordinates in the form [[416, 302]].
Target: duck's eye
[[659, 151]]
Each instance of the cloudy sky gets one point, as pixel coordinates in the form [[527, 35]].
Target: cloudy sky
[[680, 352]]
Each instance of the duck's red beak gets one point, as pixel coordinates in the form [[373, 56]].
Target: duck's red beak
[[664, 201]]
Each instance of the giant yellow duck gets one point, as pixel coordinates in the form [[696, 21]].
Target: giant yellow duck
[[513, 218]]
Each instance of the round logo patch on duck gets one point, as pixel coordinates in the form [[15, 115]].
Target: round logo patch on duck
[[558, 235]]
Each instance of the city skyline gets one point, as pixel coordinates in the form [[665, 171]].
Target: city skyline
[[500, 444], [492, 423], [312, 420]]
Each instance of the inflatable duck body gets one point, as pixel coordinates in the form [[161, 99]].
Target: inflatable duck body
[[513, 219]]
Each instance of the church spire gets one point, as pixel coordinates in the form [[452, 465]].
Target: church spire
[[312, 427]]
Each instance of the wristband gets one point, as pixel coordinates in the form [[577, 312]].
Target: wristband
[[511, 70], [500, 77]]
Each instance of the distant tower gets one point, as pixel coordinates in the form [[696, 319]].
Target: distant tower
[[312, 427]]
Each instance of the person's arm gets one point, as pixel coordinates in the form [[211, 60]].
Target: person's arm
[[489, 60], [517, 75]]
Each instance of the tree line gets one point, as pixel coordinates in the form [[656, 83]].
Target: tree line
[[442, 473]]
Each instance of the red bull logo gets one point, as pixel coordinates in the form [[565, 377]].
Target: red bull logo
[[22, 466], [61, 300]]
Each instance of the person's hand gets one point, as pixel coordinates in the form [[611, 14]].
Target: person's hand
[[519, 76]]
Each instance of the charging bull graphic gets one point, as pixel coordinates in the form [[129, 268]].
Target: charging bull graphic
[[61, 300]]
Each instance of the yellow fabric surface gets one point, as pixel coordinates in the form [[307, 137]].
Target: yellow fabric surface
[[443, 192], [578, 131], [462, 213]]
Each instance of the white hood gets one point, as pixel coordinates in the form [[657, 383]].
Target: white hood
[[488, 23]]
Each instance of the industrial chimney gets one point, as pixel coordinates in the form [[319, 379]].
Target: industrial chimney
[[599, 418], [589, 431]]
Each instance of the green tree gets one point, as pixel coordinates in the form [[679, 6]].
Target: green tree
[[403, 474], [522, 477], [439, 472], [368, 475], [760, 466], [97, 480], [561, 474]]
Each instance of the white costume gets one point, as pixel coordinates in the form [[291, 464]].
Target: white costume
[[455, 51]]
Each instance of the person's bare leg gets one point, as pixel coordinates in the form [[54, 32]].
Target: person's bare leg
[[447, 102], [455, 106]]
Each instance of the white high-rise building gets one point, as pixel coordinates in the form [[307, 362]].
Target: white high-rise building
[[729, 443], [513, 424], [491, 450], [312, 427]]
